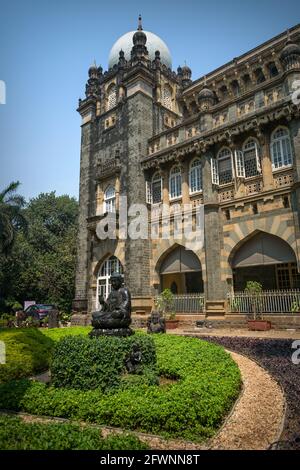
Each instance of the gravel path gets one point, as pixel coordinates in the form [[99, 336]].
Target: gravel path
[[256, 420], [275, 356]]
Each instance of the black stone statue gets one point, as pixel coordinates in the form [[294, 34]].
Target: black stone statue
[[114, 317], [133, 360], [156, 323]]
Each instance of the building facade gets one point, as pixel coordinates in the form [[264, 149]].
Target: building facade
[[228, 142]]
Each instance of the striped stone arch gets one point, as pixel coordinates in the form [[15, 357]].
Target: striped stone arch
[[239, 233], [163, 248], [103, 250]]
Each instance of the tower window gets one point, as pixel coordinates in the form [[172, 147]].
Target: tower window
[[225, 166], [156, 188], [251, 158], [110, 200], [167, 97], [111, 96], [175, 182], [281, 149], [195, 176]]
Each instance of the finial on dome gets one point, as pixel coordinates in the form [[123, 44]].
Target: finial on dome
[[140, 27]]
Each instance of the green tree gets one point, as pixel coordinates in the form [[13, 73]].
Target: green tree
[[41, 265], [11, 216]]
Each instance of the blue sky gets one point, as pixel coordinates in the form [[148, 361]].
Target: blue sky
[[46, 47]]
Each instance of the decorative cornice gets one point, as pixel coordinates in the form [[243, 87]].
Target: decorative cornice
[[200, 144]]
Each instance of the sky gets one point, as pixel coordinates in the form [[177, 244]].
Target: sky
[[47, 46]]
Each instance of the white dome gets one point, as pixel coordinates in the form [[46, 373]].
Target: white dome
[[154, 43]]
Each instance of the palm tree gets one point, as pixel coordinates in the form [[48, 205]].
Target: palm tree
[[11, 217]]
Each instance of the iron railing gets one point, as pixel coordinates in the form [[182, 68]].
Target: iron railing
[[269, 301], [187, 303]]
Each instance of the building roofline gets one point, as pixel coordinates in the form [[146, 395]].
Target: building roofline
[[242, 58]]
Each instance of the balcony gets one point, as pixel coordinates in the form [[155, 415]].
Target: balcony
[[108, 168]]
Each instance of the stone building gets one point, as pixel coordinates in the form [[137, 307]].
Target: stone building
[[228, 142]]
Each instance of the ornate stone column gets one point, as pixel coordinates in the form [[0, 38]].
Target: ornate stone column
[[266, 163], [185, 188], [213, 235], [165, 185]]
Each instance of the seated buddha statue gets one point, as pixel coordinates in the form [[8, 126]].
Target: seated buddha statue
[[114, 317]]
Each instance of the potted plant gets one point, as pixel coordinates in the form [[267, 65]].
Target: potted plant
[[295, 307], [164, 304], [254, 290]]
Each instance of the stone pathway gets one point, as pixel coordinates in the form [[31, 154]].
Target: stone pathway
[[257, 418], [240, 332]]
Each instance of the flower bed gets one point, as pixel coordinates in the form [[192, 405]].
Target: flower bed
[[276, 356]]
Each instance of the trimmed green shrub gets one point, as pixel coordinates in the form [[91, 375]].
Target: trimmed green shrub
[[16, 434], [58, 333], [192, 408], [87, 363], [27, 352]]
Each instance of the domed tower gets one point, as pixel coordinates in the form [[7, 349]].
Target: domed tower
[[290, 59], [153, 42], [290, 55], [135, 99], [206, 99], [186, 75]]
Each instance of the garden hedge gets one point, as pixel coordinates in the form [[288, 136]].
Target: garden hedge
[[16, 434], [27, 352], [85, 363], [208, 383]]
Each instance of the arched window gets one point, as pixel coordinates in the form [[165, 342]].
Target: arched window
[[110, 265], [175, 182], [251, 158], [156, 189], [195, 176], [167, 96], [110, 199], [281, 149], [111, 96], [225, 166]]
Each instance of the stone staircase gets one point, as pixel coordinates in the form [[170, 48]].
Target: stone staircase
[[215, 309]]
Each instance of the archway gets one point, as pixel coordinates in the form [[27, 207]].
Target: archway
[[181, 268], [109, 266], [267, 259]]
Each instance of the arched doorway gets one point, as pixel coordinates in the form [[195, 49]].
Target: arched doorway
[[109, 266], [181, 272], [267, 259]]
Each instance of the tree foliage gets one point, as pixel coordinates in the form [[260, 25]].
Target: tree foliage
[[11, 216], [41, 264]]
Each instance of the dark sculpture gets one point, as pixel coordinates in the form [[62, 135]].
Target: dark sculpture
[[53, 319], [134, 359], [114, 317], [156, 323]]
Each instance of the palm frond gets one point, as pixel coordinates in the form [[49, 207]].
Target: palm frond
[[9, 190]]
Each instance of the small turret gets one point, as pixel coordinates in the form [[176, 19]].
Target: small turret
[[290, 54]]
